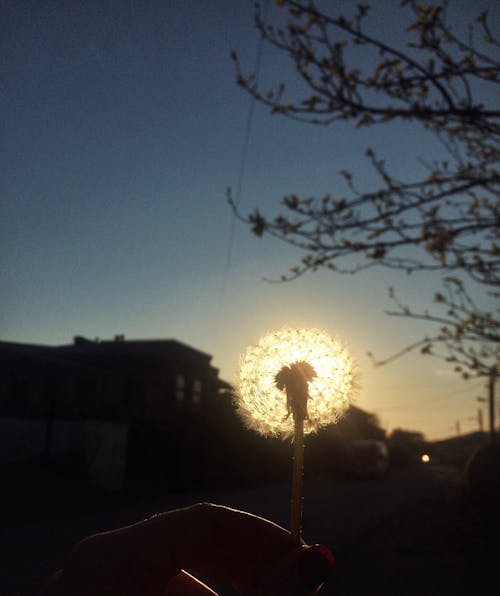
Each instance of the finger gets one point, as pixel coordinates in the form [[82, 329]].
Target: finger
[[182, 584], [185, 584], [299, 573], [216, 542], [210, 541]]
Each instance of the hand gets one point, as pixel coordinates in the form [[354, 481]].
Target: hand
[[156, 557]]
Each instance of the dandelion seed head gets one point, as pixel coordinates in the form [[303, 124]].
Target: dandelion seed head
[[263, 406]]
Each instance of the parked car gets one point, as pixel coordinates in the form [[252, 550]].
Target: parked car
[[370, 458]]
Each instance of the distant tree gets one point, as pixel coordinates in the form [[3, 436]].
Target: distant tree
[[358, 424], [331, 450], [447, 220]]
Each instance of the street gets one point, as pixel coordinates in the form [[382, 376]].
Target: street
[[390, 536]]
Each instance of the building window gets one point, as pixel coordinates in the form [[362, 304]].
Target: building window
[[196, 393], [180, 382]]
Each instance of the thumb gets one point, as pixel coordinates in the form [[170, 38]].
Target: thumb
[[301, 572]]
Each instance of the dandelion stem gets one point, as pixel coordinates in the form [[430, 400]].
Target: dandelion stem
[[294, 380], [297, 481]]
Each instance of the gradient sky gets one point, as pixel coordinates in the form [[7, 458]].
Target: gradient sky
[[121, 129]]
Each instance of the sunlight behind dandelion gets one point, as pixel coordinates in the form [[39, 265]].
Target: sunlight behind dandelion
[[263, 406]]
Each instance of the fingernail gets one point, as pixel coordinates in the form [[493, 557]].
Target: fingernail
[[315, 565]]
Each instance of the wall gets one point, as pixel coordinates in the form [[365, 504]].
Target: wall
[[102, 444]]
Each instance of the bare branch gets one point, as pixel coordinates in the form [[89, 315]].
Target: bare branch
[[448, 219]]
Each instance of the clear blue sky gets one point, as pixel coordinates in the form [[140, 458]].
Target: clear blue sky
[[121, 129]]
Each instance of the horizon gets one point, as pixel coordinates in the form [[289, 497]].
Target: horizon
[[119, 338]]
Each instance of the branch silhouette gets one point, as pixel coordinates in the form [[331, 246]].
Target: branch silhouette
[[447, 220]]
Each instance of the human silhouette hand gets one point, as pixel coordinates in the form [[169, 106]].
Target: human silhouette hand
[[157, 556]]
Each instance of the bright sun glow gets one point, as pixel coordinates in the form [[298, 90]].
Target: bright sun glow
[[263, 406]]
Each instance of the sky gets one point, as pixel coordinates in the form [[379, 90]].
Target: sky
[[122, 127]]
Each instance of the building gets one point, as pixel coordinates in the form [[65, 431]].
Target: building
[[149, 416], [136, 412]]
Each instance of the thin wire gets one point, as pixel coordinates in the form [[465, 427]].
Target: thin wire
[[428, 401], [240, 179], [246, 143]]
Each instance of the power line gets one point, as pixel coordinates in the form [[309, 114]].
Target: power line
[[246, 143], [405, 386], [428, 401], [241, 173]]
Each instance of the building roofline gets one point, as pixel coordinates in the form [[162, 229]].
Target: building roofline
[[121, 342]]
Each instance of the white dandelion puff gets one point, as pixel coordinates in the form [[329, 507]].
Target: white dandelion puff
[[327, 370]]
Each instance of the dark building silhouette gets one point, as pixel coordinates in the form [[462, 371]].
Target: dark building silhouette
[[145, 416], [137, 412]]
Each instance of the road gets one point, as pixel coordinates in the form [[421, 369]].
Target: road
[[392, 536]]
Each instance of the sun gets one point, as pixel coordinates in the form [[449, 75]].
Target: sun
[[263, 405]]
